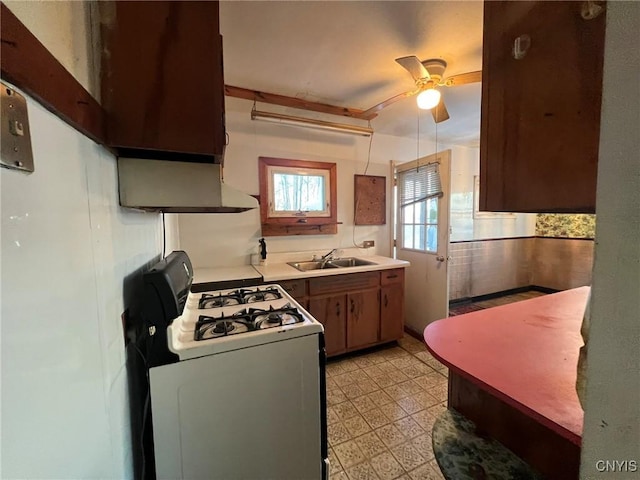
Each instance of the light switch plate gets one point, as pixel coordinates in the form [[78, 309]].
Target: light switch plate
[[15, 135]]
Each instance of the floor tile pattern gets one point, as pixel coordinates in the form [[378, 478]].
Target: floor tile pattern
[[381, 408], [462, 308]]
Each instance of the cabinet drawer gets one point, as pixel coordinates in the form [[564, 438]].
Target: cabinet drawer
[[388, 277], [343, 283], [296, 288]]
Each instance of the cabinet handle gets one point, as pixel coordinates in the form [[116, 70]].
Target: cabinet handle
[[392, 276], [590, 10], [337, 309], [352, 306], [521, 46], [386, 300]]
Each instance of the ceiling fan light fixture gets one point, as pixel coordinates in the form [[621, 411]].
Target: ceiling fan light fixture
[[427, 99]]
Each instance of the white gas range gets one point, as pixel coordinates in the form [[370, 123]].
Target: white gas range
[[214, 322], [236, 381]]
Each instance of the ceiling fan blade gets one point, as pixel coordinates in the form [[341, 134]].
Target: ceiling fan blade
[[439, 112], [463, 78], [387, 102], [414, 66]]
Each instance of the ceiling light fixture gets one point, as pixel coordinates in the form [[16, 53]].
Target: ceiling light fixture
[[428, 99], [310, 123]]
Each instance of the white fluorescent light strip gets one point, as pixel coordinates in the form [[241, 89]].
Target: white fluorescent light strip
[[310, 123]]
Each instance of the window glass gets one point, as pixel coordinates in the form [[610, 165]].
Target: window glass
[[407, 236], [419, 191], [298, 193]]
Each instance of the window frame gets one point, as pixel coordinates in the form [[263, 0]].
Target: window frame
[[295, 223], [400, 171], [273, 170]]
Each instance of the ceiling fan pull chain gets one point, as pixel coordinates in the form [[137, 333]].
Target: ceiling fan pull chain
[[520, 46]]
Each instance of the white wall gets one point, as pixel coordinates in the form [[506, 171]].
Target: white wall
[[612, 418], [465, 165], [227, 240], [70, 261]]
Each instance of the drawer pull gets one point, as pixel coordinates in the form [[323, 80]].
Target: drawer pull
[[352, 306], [337, 309], [392, 276]]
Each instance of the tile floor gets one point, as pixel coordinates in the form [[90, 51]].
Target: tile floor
[[463, 308], [381, 409]]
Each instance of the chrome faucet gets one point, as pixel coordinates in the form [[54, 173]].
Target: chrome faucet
[[327, 257]]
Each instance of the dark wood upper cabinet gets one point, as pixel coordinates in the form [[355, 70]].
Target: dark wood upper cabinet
[[162, 77], [540, 113]]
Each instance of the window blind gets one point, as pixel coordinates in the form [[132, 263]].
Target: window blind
[[419, 184]]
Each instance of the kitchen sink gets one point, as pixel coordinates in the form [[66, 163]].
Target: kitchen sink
[[337, 263], [350, 262], [306, 266]]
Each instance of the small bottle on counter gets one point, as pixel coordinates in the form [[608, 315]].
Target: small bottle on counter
[[263, 251]]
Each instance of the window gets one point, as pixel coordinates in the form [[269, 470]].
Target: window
[[297, 197], [420, 190], [299, 192]]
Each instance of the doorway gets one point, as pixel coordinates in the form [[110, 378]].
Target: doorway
[[422, 236]]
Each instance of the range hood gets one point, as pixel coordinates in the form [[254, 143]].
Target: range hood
[[178, 187]]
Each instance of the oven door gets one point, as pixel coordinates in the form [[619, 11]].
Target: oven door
[[251, 413]]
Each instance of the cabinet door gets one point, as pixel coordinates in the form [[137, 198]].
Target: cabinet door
[[391, 312], [296, 288], [331, 311], [540, 113], [162, 78], [363, 318]]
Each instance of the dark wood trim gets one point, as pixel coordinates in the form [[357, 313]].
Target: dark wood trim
[[272, 230], [511, 291], [520, 238], [545, 450], [281, 226], [492, 239], [502, 293], [27, 64], [300, 103], [227, 284], [412, 333], [542, 289], [566, 238]]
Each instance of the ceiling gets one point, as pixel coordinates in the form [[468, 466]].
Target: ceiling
[[342, 53]]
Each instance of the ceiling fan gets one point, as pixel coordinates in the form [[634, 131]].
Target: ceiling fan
[[429, 76]]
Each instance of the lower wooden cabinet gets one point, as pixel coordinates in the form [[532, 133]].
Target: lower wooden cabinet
[[358, 310], [363, 318], [296, 288], [331, 312], [391, 304], [391, 312]]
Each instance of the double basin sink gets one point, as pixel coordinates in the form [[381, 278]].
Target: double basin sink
[[325, 264]]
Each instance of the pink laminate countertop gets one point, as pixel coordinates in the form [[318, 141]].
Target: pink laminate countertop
[[524, 353]]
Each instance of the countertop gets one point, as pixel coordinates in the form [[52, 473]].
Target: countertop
[[280, 270], [524, 353], [222, 274]]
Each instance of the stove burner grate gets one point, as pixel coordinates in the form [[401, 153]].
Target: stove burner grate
[[238, 297], [209, 300], [285, 315], [246, 321]]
